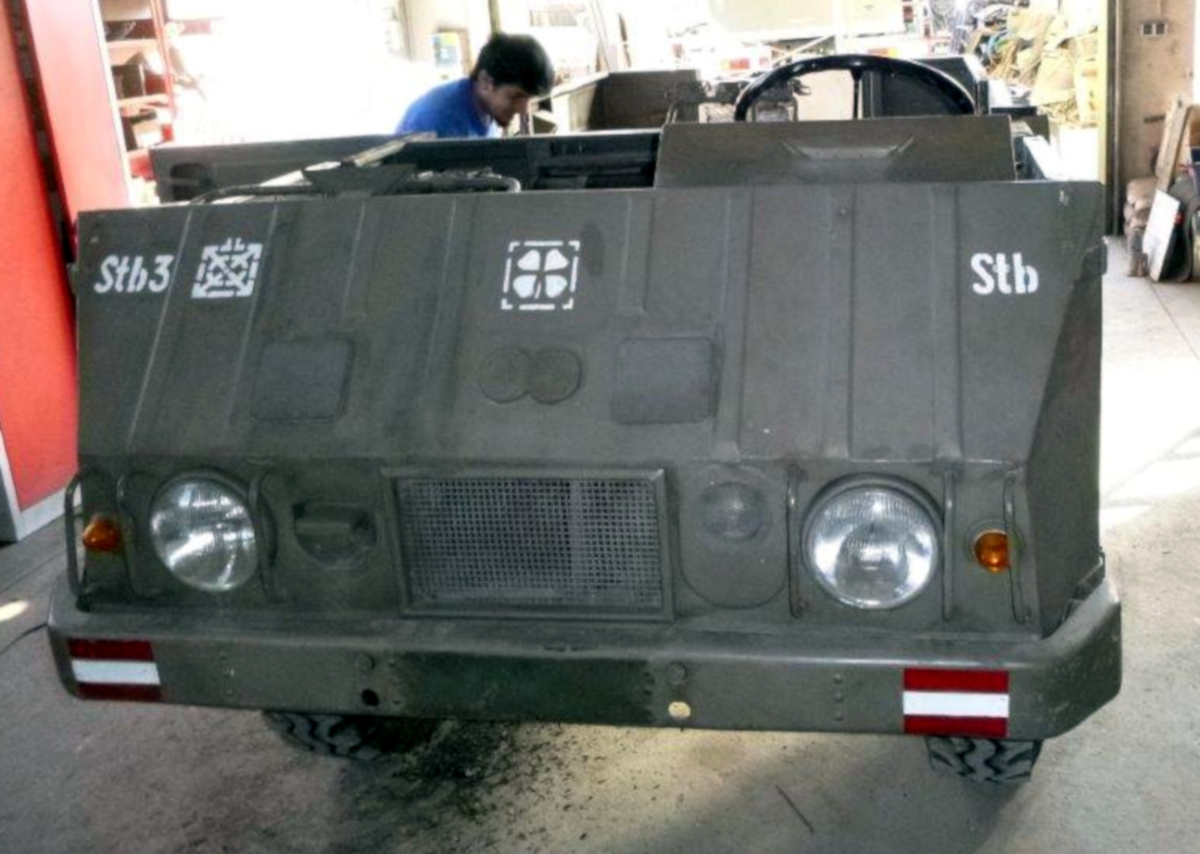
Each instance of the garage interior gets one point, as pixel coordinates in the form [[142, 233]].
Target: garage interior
[[151, 109]]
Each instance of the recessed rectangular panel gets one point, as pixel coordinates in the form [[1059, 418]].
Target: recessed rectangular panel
[[664, 380], [300, 380]]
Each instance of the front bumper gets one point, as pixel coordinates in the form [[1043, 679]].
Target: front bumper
[[664, 675]]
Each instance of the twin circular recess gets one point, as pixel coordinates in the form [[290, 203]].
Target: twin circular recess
[[549, 376]]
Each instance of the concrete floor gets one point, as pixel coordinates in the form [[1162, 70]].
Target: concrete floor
[[97, 777]]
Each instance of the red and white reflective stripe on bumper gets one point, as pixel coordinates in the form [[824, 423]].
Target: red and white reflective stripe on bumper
[[115, 670], [956, 702]]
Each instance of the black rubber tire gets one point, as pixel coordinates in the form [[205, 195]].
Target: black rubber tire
[[984, 760], [363, 738]]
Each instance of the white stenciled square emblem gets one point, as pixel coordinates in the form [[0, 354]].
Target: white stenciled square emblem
[[229, 269], [541, 275]]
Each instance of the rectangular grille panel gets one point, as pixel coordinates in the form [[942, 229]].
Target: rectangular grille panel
[[532, 543]]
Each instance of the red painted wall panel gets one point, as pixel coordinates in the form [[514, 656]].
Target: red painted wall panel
[[74, 78], [38, 408]]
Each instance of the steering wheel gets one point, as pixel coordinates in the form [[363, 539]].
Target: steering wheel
[[957, 99]]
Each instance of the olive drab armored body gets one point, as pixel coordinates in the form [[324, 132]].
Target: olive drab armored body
[[751, 426]]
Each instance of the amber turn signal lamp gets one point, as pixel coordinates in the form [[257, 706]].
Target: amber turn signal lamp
[[991, 551], [101, 535]]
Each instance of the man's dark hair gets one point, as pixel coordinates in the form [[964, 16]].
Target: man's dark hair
[[516, 60]]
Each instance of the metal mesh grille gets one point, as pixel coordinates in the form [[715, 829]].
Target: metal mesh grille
[[532, 543]]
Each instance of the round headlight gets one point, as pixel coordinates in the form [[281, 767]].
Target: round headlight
[[203, 534], [872, 547]]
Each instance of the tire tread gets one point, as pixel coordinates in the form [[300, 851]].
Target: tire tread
[[983, 760], [359, 737]]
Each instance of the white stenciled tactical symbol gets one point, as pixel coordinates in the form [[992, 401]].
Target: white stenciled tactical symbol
[[229, 269], [541, 275]]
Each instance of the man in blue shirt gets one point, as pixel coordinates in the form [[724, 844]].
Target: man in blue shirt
[[510, 71]]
